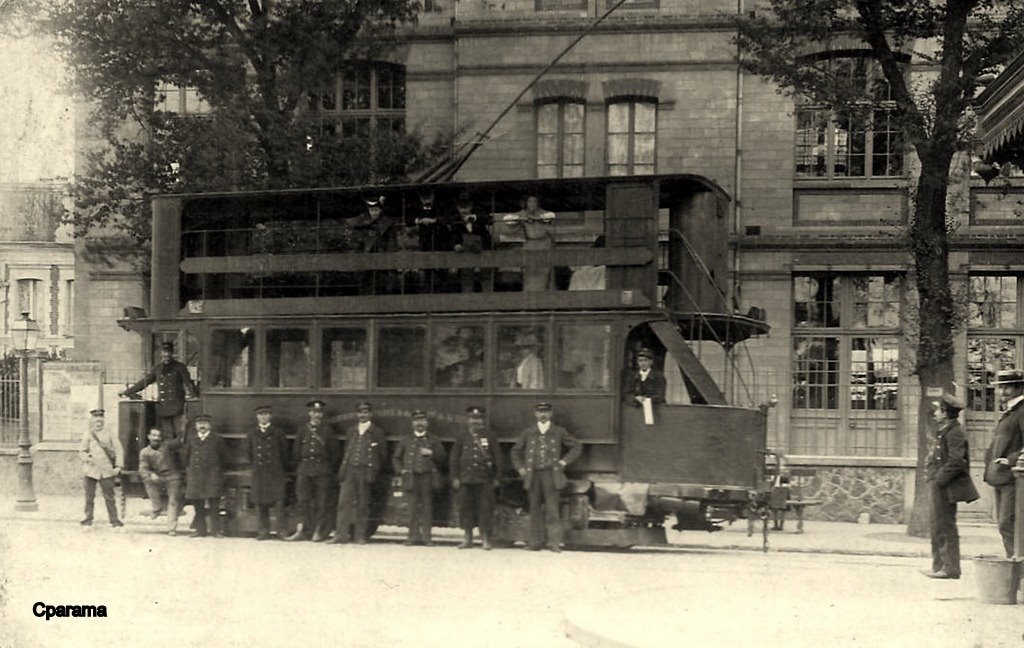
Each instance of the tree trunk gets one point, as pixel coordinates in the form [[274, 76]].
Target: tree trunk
[[930, 245]]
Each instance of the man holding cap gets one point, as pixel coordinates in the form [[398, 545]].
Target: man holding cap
[[475, 468], [418, 460], [646, 382], [949, 482], [268, 456], [102, 457], [538, 456], [173, 381], [206, 457], [313, 455], [1002, 454], [366, 452]]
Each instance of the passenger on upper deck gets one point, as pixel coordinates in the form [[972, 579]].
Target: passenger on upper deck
[[377, 229], [538, 230], [433, 237], [470, 234], [589, 277]]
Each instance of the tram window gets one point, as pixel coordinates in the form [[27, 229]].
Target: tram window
[[458, 356], [522, 357], [231, 357], [582, 356], [287, 357], [401, 356], [344, 358]]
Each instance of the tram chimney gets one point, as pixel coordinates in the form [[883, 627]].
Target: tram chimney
[[697, 255]]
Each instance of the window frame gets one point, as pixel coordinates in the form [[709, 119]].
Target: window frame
[[545, 323], [207, 351], [320, 358], [427, 369], [632, 101], [1015, 333], [555, 357], [560, 134], [263, 368], [374, 113]]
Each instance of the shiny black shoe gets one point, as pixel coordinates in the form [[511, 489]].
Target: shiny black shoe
[[117, 524], [86, 522]]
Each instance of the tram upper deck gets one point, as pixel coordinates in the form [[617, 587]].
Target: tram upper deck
[[317, 251]]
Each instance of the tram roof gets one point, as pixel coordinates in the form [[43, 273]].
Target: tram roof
[[669, 184]]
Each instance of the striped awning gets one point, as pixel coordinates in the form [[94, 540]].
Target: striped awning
[[1000, 110]]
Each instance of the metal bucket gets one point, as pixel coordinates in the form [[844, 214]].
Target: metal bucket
[[997, 579]]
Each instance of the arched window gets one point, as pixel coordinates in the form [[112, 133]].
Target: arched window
[[560, 138], [859, 141], [363, 100], [632, 135]]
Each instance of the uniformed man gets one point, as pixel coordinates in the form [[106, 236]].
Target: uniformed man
[[475, 468], [366, 453], [173, 383], [418, 460], [206, 458], [102, 457], [540, 455], [160, 472], [1002, 454], [947, 473], [313, 455], [268, 456], [646, 382]]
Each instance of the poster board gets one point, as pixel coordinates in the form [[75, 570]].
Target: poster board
[[69, 391]]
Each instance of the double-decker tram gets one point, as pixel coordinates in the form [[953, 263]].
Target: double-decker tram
[[497, 294]]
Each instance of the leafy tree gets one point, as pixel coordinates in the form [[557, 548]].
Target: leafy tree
[[958, 41], [256, 63]]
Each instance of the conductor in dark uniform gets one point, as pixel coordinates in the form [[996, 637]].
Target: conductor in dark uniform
[[540, 455], [645, 382], [949, 482], [366, 453], [173, 384], [418, 459], [206, 457], [313, 455], [1002, 454], [475, 467], [268, 456]]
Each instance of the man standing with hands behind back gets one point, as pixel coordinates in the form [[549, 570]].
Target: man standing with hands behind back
[[538, 456], [1002, 453]]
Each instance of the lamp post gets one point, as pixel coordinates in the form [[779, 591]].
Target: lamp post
[[25, 330]]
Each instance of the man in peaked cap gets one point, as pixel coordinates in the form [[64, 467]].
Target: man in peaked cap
[[540, 456], [313, 455], [475, 468], [268, 456], [646, 382], [366, 452], [947, 473], [418, 460], [102, 457], [1003, 452], [173, 383], [206, 458]]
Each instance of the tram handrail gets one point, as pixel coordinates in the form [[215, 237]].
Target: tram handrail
[[732, 361]]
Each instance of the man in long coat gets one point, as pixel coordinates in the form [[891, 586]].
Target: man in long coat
[[418, 460], [206, 457], [268, 456], [475, 467], [949, 482], [1002, 454], [102, 457], [314, 455], [540, 455], [173, 385], [366, 452]]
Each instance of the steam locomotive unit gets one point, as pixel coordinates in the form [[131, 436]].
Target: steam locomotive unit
[[280, 297]]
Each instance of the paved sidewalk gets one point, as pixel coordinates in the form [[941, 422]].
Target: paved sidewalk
[[818, 537]]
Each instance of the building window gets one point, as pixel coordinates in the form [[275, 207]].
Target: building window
[[362, 101], [995, 318], [846, 353], [632, 135], [560, 141], [993, 301], [560, 5], [181, 100], [69, 307], [862, 141], [30, 298]]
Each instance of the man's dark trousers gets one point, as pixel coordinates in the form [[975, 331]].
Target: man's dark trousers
[[107, 488], [354, 503], [945, 538], [421, 507], [1005, 499], [543, 493]]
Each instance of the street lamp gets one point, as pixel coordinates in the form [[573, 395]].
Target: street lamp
[[25, 330]]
